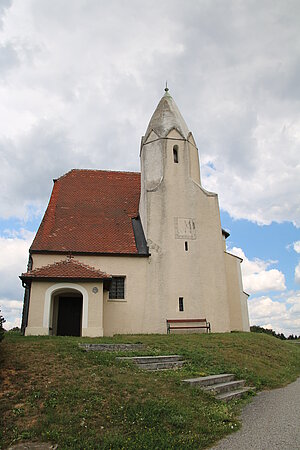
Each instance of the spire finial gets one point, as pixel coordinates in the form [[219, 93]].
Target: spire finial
[[166, 88]]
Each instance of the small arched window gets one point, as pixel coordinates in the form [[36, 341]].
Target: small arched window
[[175, 153]]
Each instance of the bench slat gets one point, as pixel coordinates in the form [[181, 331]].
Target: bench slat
[[177, 328], [185, 320], [191, 321]]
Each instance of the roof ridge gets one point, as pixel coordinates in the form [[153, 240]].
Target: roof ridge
[[100, 170], [79, 263], [32, 271]]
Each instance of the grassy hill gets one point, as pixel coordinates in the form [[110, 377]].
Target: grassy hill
[[53, 391]]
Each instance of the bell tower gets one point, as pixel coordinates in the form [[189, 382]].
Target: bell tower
[[181, 222], [168, 149]]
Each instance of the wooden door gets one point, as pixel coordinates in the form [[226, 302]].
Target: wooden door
[[69, 316]]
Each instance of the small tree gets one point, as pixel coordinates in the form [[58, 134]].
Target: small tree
[[2, 320]]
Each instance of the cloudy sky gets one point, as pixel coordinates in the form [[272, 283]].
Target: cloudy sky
[[79, 80]]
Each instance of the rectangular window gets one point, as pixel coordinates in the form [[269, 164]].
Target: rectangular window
[[180, 303], [186, 246], [116, 289]]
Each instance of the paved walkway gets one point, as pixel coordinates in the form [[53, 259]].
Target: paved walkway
[[270, 422]]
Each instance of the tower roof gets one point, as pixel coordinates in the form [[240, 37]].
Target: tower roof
[[167, 116]]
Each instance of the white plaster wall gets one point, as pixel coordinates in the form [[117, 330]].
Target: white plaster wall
[[151, 174], [238, 307], [40, 318], [124, 316], [131, 315], [199, 274], [194, 166], [245, 312], [36, 309]]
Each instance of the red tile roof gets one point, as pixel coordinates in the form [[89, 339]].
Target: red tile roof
[[90, 211], [69, 268]]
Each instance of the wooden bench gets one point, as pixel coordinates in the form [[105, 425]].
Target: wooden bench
[[177, 324]]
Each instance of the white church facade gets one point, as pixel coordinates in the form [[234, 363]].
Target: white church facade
[[123, 252]]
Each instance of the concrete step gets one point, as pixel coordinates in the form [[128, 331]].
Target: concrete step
[[151, 359], [210, 380], [226, 396], [162, 365], [155, 362], [111, 347], [225, 387]]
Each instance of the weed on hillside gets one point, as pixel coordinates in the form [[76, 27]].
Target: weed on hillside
[[51, 390]]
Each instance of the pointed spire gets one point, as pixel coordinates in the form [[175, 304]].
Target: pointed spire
[[167, 116]]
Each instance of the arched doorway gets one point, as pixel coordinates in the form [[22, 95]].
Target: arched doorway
[[67, 313], [52, 302]]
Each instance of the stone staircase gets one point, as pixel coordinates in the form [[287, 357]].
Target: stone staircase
[[224, 386], [155, 362]]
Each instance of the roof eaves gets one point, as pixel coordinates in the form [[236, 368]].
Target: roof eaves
[[24, 277], [231, 254], [67, 252], [225, 233]]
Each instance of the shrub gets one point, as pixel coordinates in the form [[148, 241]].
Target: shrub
[[258, 329]]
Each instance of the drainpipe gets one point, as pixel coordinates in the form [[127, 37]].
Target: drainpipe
[[27, 287]]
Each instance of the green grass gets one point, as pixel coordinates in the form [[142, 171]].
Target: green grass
[[53, 391]]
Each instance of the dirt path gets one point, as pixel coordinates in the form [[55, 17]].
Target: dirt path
[[270, 422]]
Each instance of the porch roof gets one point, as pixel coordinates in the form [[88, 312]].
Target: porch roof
[[65, 269]]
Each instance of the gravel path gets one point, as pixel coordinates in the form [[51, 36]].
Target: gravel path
[[270, 422]]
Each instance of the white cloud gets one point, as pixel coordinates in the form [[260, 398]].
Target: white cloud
[[268, 326], [13, 261], [78, 85], [265, 280], [11, 304], [11, 310], [14, 246], [262, 308], [9, 324], [294, 301], [3, 6], [293, 298], [297, 273], [296, 246], [282, 315], [256, 275], [295, 309]]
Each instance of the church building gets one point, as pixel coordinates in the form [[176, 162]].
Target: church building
[[123, 252]]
